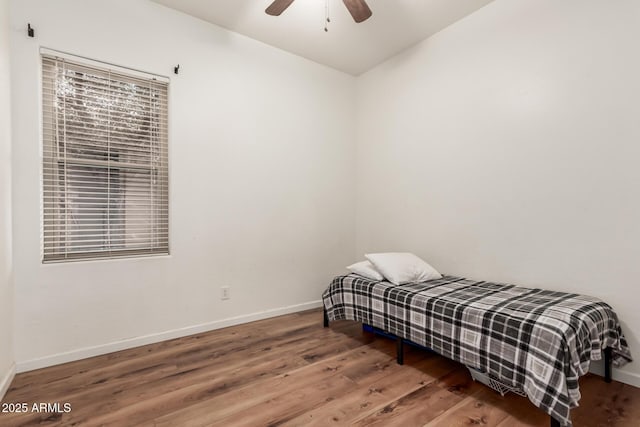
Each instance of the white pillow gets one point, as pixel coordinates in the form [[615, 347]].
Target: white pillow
[[365, 269], [402, 267]]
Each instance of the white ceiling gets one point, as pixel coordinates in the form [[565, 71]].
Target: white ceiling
[[347, 46]]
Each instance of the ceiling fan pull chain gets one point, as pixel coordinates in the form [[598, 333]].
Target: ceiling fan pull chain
[[326, 16]]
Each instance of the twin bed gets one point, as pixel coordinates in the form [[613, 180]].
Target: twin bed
[[536, 341]]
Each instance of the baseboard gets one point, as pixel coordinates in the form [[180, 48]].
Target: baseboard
[[83, 353], [631, 378], [5, 382]]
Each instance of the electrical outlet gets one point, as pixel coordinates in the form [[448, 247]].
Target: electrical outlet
[[225, 292]]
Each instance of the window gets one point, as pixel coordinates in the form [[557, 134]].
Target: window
[[105, 162]]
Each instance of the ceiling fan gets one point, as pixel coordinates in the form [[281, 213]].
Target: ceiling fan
[[357, 8]]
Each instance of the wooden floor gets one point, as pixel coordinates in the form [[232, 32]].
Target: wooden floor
[[289, 371]]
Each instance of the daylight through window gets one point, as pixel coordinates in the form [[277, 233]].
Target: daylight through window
[[105, 162]]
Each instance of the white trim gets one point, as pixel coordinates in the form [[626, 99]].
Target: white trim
[[622, 375], [626, 377], [7, 379], [86, 352]]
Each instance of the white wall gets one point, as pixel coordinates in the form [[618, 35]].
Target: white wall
[[506, 148], [6, 295], [261, 178]]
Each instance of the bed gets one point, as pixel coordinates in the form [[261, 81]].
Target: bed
[[534, 340]]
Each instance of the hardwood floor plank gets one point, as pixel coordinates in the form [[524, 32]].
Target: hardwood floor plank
[[289, 371], [197, 383], [480, 408], [424, 403], [289, 393], [142, 402], [522, 413], [373, 395]]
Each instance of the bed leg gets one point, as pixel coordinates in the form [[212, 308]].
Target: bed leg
[[554, 422], [607, 365], [399, 351], [326, 318]]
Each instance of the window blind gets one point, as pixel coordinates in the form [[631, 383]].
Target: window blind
[[105, 162]]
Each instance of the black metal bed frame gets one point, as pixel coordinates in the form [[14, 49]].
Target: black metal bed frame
[[400, 357]]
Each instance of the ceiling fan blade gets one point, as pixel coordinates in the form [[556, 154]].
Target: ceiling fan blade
[[358, 9], [277, 7]]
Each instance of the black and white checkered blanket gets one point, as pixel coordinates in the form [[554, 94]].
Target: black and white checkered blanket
[[538, 341]]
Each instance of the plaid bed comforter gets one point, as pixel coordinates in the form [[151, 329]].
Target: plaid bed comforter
[[538, 341]]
